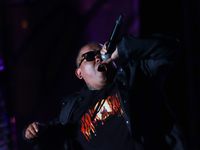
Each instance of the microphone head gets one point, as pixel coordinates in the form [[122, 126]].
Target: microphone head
[[103, 57]]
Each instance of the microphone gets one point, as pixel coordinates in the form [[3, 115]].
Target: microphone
[[113, 38]]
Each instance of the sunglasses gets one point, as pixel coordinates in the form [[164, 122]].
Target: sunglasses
[[89, 56]]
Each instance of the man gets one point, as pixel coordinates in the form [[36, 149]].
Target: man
[[118, 109]]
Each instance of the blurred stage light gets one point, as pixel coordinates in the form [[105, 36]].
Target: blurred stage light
[[24, 24]]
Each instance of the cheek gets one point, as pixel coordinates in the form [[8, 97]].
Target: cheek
[[88, 69]]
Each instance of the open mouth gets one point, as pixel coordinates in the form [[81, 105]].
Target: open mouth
[[102, 68]]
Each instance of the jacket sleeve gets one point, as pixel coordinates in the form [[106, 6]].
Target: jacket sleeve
[[157, 54], [52, 137]]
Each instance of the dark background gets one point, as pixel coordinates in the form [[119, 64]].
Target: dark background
[[39, 41]]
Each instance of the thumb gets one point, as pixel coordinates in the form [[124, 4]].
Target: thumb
[[107, 61]]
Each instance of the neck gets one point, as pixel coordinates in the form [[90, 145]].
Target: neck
[[90, 87]]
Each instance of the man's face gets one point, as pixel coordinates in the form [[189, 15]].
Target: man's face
[[95, 73]]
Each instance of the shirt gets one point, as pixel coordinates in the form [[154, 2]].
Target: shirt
[[101, 126]]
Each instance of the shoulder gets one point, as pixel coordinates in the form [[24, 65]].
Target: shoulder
[[67, 105], [71, 98]]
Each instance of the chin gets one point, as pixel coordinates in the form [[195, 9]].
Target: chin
[[106, 77], [103, 79]]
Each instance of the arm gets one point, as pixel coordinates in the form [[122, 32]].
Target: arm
[[34, 129], [157, 54], [155, 47], [57, 133], [45, 136]]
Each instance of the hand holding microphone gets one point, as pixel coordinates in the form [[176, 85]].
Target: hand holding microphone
[[111, 44], [109, 57]]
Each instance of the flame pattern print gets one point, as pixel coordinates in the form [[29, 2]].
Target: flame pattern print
[[110, 106]]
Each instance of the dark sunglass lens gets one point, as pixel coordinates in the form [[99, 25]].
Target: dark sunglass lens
[[90, 56]]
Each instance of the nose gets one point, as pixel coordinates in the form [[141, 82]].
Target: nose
[[98, 58]]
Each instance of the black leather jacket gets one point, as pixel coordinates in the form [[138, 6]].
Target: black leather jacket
[[139, 81]]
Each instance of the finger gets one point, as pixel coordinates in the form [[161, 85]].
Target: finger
[[107, 61], [104, 51], [33, 129], [105, 45], [29, 134], [35, 126]]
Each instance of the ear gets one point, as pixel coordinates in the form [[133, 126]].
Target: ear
[[78, 73]]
